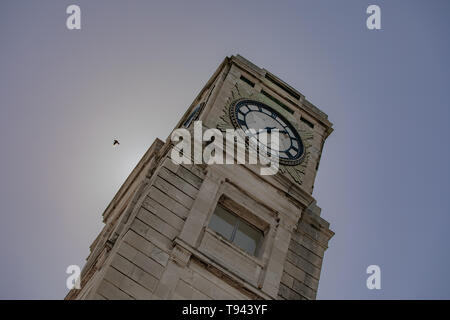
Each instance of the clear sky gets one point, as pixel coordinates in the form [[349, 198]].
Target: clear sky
[[134, 68]]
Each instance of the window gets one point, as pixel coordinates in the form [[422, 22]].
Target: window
[[308, 123], [281, 104], [193, 116], [236, 230], [250, 83]]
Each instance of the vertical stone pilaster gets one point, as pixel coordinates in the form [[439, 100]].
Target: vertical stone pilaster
[[275, 265], [203, 204]]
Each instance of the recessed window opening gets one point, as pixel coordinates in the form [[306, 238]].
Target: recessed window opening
[[250, 83], [281, 104], [193, 115], [236, 230], [308, 123]]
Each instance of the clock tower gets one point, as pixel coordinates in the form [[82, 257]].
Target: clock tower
[[219, 231]]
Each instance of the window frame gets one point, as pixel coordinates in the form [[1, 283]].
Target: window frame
[[239, 219], [193, 116]]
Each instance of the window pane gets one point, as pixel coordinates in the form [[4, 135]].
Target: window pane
[[247, 237], [188, 121], [223, 222]]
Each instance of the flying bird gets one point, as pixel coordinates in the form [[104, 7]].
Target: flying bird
[[115, 143]]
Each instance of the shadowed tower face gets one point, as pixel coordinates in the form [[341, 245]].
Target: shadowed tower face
[[197, 231]]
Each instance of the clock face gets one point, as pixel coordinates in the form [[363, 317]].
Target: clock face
[[249, 114]]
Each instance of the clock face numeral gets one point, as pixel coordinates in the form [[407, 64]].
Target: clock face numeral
[[248, 114]]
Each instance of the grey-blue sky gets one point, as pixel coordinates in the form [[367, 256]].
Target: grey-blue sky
[[134, 68]]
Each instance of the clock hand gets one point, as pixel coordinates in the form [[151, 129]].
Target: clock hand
[[258, 131], [269, 129], [252, 134]]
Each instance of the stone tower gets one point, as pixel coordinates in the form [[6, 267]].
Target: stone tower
[[218, 231]]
